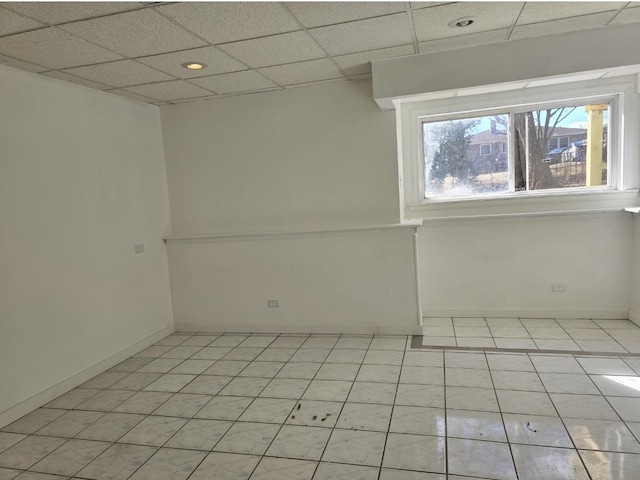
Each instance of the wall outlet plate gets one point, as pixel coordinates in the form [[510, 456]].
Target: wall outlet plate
[[273, 304], [140, 248], [558, 287]]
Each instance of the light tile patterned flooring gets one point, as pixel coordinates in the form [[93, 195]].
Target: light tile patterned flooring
[[323, 407], [610, 336]]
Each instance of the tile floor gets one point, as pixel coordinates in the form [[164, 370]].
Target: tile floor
[[324, 407], [573, 335]]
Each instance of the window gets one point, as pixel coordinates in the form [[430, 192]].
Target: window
[[455, 163], [551, 148]]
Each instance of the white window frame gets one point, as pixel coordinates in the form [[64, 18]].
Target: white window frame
[[623, 150], [485, 145]]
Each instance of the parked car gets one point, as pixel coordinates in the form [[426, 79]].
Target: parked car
[[554, 156]]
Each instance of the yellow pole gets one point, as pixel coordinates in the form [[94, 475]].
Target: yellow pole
[[594, 143]]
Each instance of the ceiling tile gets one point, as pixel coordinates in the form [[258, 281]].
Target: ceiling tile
[[275, 50], [60, 12], [12, 22], [120, 74], [135, 34], [54, 49], [188, 100], [482, 38], [358, 63], [221, 22], [316, 14], [560, 26], [168, 91], [364, 76], [534, 12], [433, 23], [77, 80], [628, 15], [363, 35], [26, 66], [234, 82], [217, 62], [302, 72], [133, 96], [319, 82], [415, 5]]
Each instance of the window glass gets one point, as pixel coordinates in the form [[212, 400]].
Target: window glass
[[578, 137], [459, 158]]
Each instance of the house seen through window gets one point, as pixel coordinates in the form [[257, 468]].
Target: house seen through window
[[562, 147]]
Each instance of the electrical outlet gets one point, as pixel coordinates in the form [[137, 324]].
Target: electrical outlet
[[558, 287], [273, 304], [140, 248]]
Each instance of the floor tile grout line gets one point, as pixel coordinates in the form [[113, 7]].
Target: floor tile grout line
[[599, 329], [230, 427], [574, 355], [343, 403], [393, 406], [504, 425], [564, 425], [145, 417], [446, 422], [262, 456], [606, 399]]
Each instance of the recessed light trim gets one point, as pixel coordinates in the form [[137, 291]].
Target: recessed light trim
[[194, 65], [461, 22]]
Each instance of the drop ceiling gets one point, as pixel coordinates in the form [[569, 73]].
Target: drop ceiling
[[137, 49]]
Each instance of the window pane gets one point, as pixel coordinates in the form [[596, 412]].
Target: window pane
[[577, 151], [466, 157]]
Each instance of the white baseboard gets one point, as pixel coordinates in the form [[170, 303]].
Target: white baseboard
[[364, 329], [525, 313], [15, 412], [634, 317]]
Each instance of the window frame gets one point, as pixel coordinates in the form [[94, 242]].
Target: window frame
[[622, 152]]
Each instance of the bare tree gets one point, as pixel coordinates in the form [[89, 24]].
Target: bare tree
[[537, 127]]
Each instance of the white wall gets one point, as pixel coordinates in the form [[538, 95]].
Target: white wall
[[505, 267], [82, 181], [304, 159], [349, 282], [324, 156], [634, 313]]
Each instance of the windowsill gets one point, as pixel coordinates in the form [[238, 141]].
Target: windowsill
[[521, 204]]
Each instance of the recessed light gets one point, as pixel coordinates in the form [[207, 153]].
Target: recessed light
[[194, 65], [461, 22]]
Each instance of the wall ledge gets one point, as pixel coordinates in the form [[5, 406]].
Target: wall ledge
[[19, 410], [289, 233]]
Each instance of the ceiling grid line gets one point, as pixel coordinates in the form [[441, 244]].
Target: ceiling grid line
[[303, 28]]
